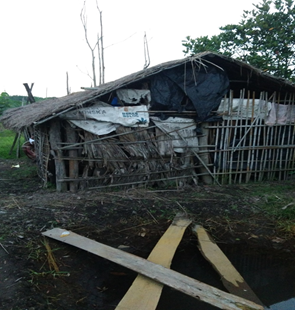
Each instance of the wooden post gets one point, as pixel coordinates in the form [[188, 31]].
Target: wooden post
[[73, 163], [203, 140], [60, 169], [14, 142], [31, 98]]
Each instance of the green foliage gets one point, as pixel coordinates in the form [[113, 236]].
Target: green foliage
[[264, 38], [4, 102], [7, 102], [6, 141]]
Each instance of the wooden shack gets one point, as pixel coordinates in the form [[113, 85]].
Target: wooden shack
[[207, 118]]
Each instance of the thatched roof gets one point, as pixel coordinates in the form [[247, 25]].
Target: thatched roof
[[240, 73]]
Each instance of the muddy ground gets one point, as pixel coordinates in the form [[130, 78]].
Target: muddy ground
[[135, 218]]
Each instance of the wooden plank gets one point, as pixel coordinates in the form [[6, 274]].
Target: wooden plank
[[60, 168], [73, 163], [144, 294], [203, 156], [230, 277], [178, 281]]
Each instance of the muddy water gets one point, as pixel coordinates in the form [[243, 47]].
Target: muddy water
[[270, 276]]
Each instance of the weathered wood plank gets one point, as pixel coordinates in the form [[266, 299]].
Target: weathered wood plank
[[73, 163], [230, 277], [60, 169], [203, 156], [144, 293], [182, 283]]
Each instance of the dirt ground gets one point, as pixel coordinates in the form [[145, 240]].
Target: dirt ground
[[135, 218]]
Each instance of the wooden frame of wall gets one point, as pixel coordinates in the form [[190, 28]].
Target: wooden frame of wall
[[238, 149]]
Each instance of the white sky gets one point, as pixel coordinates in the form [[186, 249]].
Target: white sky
[[41, 40]]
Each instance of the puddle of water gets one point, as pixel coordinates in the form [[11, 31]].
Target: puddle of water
[[271, 278], [190, 262], [284, 305]]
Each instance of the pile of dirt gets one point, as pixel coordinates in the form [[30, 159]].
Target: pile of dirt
[[135, 218]]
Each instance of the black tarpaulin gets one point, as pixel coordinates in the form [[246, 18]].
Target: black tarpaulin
[[188, 87]]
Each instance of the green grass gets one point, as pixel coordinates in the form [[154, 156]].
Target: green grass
[[6, 141], [277, 201]]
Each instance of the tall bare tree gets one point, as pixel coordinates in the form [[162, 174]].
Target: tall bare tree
[[68, 87], [98, 44], [100, 49]]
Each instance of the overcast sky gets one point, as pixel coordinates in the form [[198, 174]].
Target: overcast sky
[[41, 40]]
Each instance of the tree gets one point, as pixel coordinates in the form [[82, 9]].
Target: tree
[[7, 102], [98, 44], [264, 38], [68, 87], [4, 102]]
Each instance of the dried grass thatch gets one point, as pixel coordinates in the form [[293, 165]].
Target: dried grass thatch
[[246, 75]]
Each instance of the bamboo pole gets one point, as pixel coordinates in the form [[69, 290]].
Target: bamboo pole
[[262, 133], [250, 155], [216, 151], [287, 133], [221, 165], [139, 182], [243, 140], [277, 137], [291, 130], [280, 154], [239, 167], [273, 152], [230, 140], [255, 141]]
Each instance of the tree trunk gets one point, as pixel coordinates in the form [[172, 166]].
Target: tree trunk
[[101, 47], [68, 88]]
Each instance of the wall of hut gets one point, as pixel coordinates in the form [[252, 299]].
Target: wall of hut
[[127, 157], [252, 140]]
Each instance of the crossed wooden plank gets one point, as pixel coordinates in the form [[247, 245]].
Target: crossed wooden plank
[[158, 274], [144, 293], [230, 277]]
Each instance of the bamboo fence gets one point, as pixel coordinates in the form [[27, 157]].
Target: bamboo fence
[[246, 149]]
